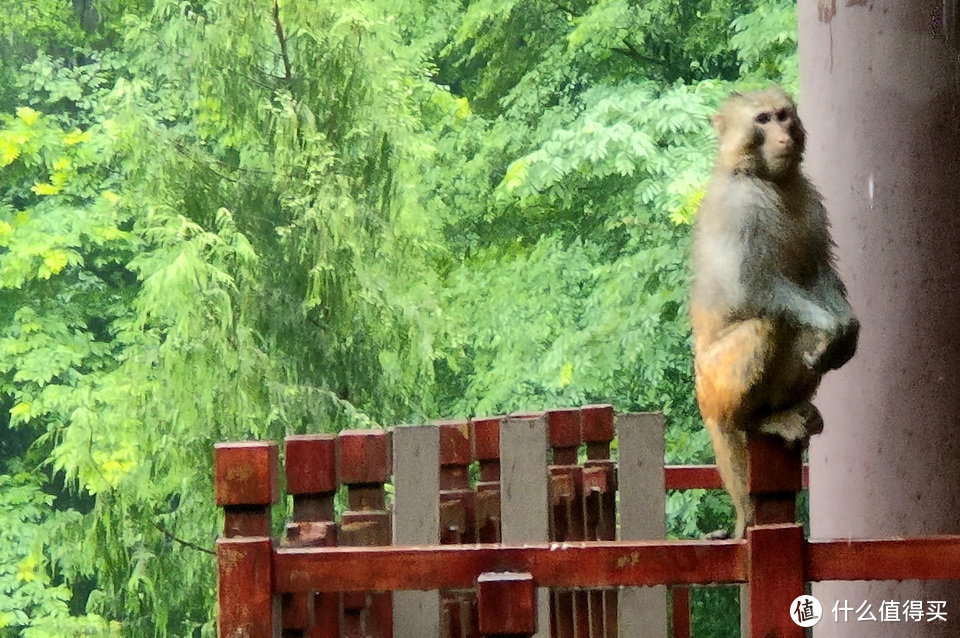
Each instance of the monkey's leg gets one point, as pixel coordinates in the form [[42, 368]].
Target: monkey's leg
[[790, 384], [730, 447], [730, 368]]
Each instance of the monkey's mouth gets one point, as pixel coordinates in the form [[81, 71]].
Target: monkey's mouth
[[781, 161]]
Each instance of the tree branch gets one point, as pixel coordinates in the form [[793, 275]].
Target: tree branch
[[631, 51], [172, 537], [278, 27]]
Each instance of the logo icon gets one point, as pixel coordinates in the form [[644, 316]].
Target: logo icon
[[805, 611]]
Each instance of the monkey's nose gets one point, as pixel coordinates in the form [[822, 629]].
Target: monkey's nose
[[785, 145]]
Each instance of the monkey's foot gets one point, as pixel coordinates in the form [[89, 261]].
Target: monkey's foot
[[796, 425]]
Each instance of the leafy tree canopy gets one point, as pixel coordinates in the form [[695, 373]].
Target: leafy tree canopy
[[222, 219]]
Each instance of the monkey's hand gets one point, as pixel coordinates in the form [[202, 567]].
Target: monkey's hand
[[833, 349], [813, 356]]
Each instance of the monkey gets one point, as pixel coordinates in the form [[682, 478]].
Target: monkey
[[768, 309]]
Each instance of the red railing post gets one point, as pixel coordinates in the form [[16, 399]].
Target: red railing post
[[775, 579], [681, 611], [777, 569], [600, 486], [775, 477], [458, 519], [312, 482], [507, 604], [246, 486], [569, 608], [486, 437], [365, 465], [457, 501]]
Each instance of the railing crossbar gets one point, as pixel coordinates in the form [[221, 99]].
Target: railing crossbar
[[571, 564]]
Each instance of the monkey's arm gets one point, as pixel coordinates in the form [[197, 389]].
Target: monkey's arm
[[768, 291], [841, 346], [833, 292], [783, 298]]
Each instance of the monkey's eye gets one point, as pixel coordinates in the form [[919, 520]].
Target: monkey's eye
[[763, 118], [782, 114]]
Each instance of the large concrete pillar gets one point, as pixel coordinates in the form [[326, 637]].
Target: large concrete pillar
[[879, 97]]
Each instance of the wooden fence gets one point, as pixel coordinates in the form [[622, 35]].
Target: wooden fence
[[509, 526]]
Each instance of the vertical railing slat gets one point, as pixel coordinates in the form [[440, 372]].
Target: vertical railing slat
[[458, 519], [525, 492], [643, 610], [416, 521], [486, 437], [681, 612]]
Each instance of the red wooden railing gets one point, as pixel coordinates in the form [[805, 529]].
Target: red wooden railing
[[487, 542]]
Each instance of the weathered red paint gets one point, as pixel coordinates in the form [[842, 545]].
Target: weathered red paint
[[774, 468], [776, 578], [296, 611], [702, 477], [686, 477], [486, 436], [311, 463], [597, 423], [680, 598], [923, 558], [563, 426], [248, 605], [507, 604], [456, 442], [245, 473], [574, 564], [364, 456]]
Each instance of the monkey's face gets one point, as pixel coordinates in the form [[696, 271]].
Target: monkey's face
[[760, 134], [780, 139]]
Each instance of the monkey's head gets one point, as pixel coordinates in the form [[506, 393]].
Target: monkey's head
[[760, 134]]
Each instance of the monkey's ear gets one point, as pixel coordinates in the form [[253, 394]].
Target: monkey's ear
[[720, 123]]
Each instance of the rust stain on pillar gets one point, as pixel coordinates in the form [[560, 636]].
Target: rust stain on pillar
[[879, 96], [826, 9]]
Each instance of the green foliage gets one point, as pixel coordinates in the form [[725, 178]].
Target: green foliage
[[40, 25], [766, 43], [717, 611], [32, 599], [227, 220]]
